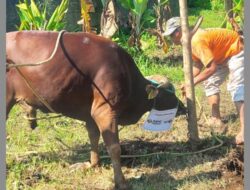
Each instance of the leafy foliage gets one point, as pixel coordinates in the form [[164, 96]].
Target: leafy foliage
[[204, 4], [31, 18], [217, 5], [238, 10], [238, 14], [139, 16]]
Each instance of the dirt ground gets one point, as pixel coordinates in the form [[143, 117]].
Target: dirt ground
[[230, 168], [159, 161]]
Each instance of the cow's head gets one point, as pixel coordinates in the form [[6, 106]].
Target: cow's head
[[162, 92]]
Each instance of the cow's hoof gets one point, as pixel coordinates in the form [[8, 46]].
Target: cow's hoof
[[33, 126], [80, 166]]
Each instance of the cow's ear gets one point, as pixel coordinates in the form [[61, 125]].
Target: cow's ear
[[151, 91]]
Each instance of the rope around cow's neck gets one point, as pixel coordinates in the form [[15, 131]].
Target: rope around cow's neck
[[12, 64]]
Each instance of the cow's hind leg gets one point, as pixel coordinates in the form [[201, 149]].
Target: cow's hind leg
[[31, 114], [10, 99], [94, 136], [9, 104], [107, 123]]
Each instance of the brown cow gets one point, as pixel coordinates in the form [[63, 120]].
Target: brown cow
[[90, 78]]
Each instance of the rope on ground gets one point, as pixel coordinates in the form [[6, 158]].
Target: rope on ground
[[42, 118], [171, 153], [150, 154], [135, 155]]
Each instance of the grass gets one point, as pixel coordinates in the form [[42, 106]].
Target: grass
[[41, 159], [211, 19]]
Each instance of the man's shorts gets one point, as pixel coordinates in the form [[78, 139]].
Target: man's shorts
[[212, 84], [236, 77], [234, 66]]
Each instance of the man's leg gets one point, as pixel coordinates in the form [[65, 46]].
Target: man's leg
[[212, 91], [239, 139], [214, 102], [236, 88]]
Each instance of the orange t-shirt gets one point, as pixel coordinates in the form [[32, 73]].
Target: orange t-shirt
[[215, 44]]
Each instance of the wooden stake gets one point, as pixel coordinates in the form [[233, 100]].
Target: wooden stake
[[189, 83]]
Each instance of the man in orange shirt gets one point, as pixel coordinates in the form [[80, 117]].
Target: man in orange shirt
[[218, 52]]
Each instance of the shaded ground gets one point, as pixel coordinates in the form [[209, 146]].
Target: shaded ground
[[41, 159]]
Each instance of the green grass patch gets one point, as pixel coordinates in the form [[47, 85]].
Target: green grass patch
[[211, 18]]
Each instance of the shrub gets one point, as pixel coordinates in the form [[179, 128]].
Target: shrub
[[31, 18]]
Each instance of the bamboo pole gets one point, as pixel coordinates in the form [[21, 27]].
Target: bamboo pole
[[189, 83]]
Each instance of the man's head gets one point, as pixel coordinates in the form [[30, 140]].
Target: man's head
[[173, 29]]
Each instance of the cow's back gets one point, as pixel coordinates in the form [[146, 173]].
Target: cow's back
[[87, 64]]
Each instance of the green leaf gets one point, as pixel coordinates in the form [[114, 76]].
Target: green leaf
[[34, 9], [22, 6], [31, 15], [127, 4]]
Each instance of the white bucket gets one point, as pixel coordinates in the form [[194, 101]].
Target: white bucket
[[160, 120]]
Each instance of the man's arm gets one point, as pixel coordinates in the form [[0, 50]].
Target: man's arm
[[207, 72], [197, 68]]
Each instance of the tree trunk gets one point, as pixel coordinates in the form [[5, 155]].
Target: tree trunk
[[187, 61], [108, 24], [228, 8]]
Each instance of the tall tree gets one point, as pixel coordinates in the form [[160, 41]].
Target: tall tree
[[187, 61]]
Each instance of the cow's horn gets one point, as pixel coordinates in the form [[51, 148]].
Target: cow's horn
[[196, 26], [163, 83], [161, 80]]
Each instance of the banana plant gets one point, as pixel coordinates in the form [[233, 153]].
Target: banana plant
[[86, 8], [137, 9], [162, 11], [31, 18], [238, 14], [238, 10], [160, 8]]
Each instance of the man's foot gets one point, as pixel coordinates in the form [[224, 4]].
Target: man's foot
[[239, 139], [217, 125]]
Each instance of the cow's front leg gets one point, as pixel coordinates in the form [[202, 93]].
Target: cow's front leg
[[108, 127]]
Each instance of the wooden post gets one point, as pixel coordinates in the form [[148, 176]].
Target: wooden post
[[187, 61]]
